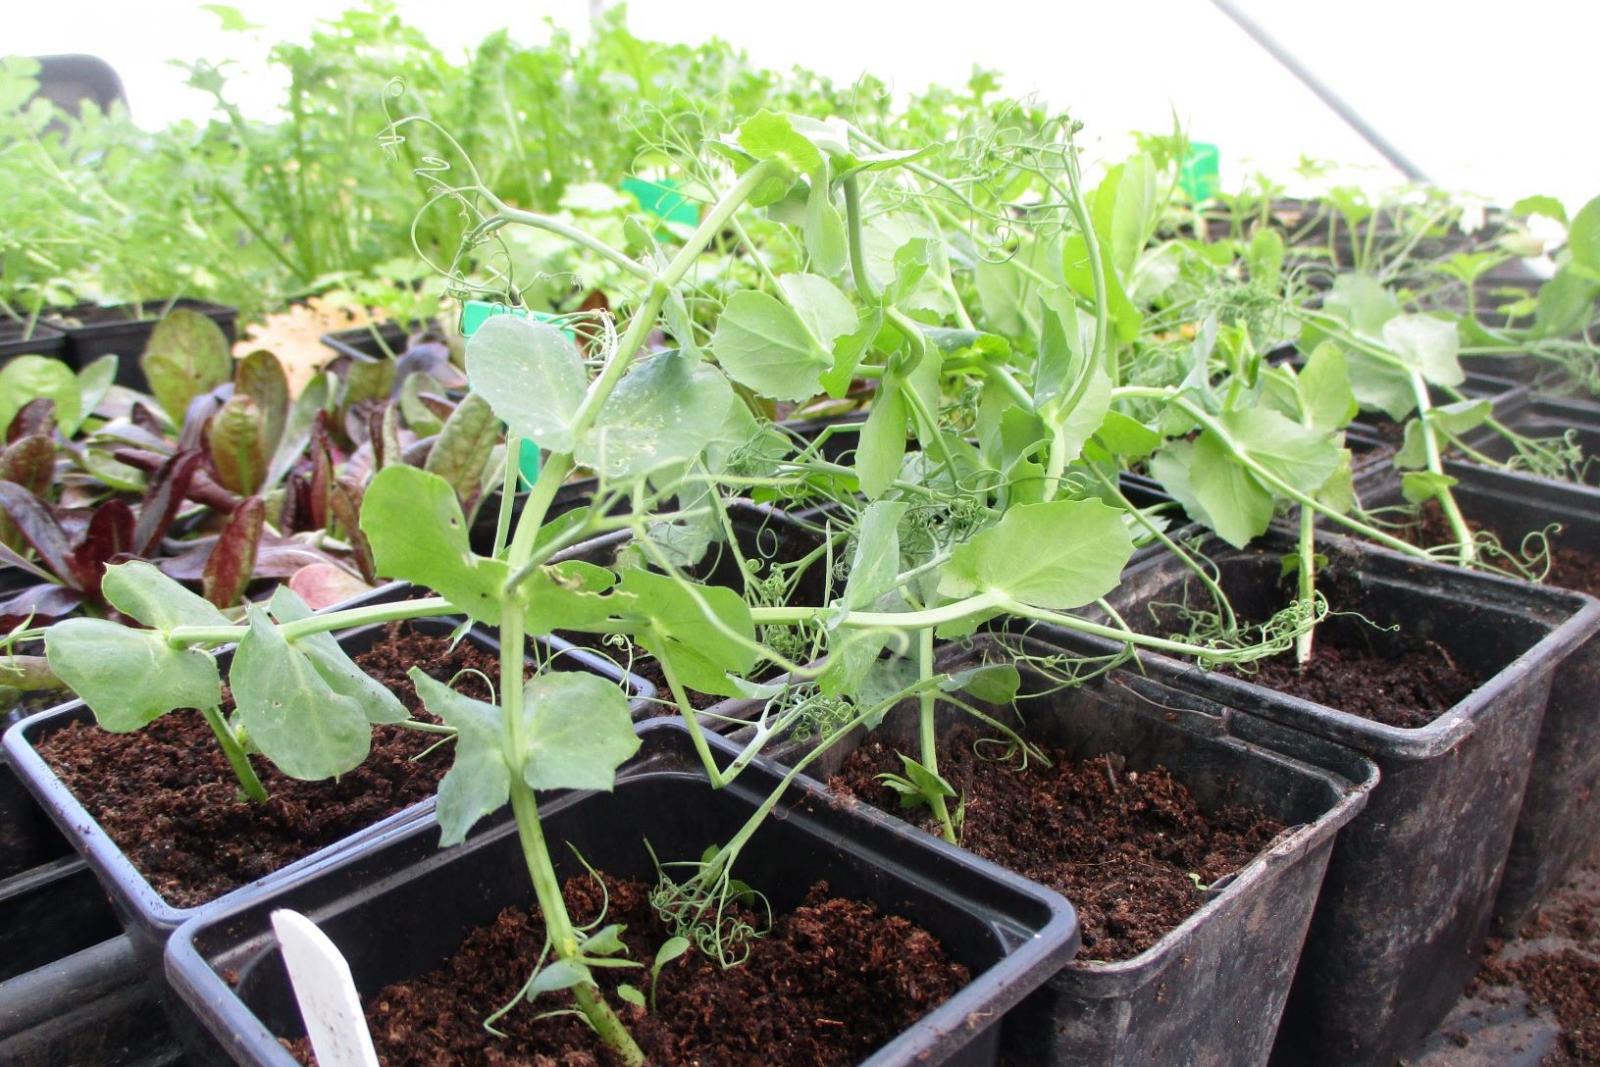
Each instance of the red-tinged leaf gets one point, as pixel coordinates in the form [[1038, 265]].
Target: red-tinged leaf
[[36, 417], [390, 437], [110, 534], [322, 585], [146, 419], [296, 506], [260, 377], [11, 558], [38, 604], [440, 406], [162, 500], [30, 462], [237, 445], [39, 529], [463, 447], [233, 558], [345, 502], [321, 473]]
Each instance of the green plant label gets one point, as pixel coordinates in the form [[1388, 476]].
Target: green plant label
[[1201, 176]]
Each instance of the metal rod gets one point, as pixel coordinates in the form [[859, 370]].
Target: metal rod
[[1396, 158]]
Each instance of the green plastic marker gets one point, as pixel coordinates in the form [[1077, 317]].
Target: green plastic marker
[[662, 199], [1201, 174], [473, 315]]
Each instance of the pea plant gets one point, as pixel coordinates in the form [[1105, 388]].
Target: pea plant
[[1003, 513]]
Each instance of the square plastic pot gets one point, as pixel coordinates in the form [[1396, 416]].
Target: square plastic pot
[[45, 340], [1412, 882], [95, 1008], [147, 916], [400, 907], [1560, 820], [125, 338], [1536, 415], [1212, 989]]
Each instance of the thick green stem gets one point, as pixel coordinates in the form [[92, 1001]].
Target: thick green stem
[[1467, 551], [246, 774], [1307, 580], [181, 636], [927, 729]]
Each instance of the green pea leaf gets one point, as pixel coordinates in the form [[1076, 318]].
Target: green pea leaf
[[558, 975], [292, 715], [531, 375], [578, 732], [992, 683], [1419, 487], [140, 591], [1583, 238], [1059, 554], [187, 355], [99, 660], [876, 561], [765, 347], [646, 423], [824, 310], [478, 782], [825, 237], [1325, 393], [676, 629], [630, 994], [335, 665], [769, 135], [572, 595], [1431, 346], [414, 524]]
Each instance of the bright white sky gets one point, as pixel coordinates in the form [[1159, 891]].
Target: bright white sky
[[1491, 98]]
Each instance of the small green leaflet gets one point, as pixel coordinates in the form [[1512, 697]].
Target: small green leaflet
[[140, 591], [98, 658], [578, 731], [414, 524], [643, 427], [292, 715], [677, 630], [478, 782], [765, 347], [531, 375], [883, 442]]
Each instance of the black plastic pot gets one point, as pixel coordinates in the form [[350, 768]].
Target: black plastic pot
[[45, 340], [1412, 882], [144, 913], [358, 343], [1560, 819], [1211, 990], [96, 1008], [397, 909], [125, 337]]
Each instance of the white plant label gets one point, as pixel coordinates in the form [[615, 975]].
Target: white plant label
[[326, 992]]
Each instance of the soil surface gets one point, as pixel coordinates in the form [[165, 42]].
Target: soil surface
[[833, 981], [1536, 1000], [1131, 850], [1407, 687], [1570, 568], [166, 796]]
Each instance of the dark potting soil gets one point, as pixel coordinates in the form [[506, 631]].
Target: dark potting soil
[[1570, 568], [1130, 849], [166, 795], [1408, 687], [834, 980]]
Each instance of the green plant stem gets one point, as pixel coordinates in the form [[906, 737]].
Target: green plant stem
[[927, 729], [513, 639], [1467, 552], [536, 851], [1307, 580], [181, 636], [246, 774]]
